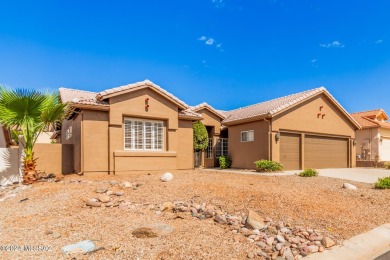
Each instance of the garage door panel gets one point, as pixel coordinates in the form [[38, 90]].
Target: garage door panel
[[326, 152], [290, 151]]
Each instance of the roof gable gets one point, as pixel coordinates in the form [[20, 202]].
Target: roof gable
[[204, 105], [80, 97], [103, 95], [368, 119], [276, 106]]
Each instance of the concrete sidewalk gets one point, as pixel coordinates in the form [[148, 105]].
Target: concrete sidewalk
[[366, 175], [367, 246]]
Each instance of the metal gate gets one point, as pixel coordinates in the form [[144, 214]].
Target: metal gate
[[197, 159]]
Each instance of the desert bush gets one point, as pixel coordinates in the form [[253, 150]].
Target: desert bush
[[225, 162], [386, 165], [309, 173], [383, 183], [268, 166]]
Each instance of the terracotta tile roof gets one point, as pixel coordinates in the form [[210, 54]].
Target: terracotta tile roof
[[187, 114], [207, 106], [269, 107], [138, 85], [366, 118], [272, 107], [75, 96]]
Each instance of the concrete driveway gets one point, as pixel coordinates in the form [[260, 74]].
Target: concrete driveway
[[367, 175]]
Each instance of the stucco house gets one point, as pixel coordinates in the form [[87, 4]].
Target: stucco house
[[374, 138], [304, 130], [141, 126]]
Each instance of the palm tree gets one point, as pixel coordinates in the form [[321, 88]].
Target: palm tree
[[28, 113]]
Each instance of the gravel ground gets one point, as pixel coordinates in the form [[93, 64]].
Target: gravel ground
[[319, 203]]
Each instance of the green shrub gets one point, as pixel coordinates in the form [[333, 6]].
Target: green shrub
[[225, 162], [383, 183], [309, 173], [201, 137], [268, 166], [386, 165]]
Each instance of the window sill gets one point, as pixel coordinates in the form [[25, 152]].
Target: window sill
[[144, 154]]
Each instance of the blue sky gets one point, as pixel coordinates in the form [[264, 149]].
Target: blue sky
[[227, 53]]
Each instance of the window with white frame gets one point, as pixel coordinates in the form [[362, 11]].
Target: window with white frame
[[221, 148], [145, 135], [247, 136], [209, 151]]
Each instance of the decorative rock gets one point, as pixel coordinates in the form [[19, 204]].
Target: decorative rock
[[285, 230], [313, 249], [92, 203], [220, 219], [119, 193], [101, 190], [255, 221], [166, 206], [288, 254], [56, 235], [110, 204], [327, 242], [126, 184], [166, 177], [270, 240], [321, 249], [280, 239], [251, 255], [262, 245], [279, 246], [349, 186], [104, 198]]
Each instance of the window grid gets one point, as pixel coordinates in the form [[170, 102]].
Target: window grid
[[209, 151], [221, 148], [143, 135], [247, 136]]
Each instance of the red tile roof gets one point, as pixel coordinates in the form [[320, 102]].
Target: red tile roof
[[139, 85], [75, 96], [204, 105], [272, 107], [367, 118]]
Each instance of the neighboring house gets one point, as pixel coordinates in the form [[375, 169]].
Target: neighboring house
[[141, 126], [305, 130], [374, 138]]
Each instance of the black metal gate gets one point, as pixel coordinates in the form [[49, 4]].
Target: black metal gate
[[197, 159]]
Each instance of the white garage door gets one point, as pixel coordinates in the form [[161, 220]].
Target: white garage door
[[384, 150]]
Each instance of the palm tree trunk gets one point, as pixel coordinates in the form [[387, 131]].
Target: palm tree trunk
[[29, 164]]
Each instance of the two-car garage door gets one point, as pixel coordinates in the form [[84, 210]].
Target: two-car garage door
[[319, 152]]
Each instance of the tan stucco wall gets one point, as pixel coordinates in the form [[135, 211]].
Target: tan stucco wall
[[304, 118], [185, 145], [75, 140], [369, 136], [95, 141], [244, 154], [178, 149], [54, 158]]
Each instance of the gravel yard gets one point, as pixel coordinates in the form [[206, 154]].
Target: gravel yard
[[56, 214]]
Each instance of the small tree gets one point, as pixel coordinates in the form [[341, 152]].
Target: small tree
[[28, 113], [201, 137]]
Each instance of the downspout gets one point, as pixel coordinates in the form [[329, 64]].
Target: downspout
[[269, 138]]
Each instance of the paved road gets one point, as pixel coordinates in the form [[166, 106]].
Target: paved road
[[368, 175]]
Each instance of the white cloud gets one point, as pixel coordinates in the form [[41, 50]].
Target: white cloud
[[210, 41], [379, 41], [218, 3], [313, 60], [334, 44], [202, 38], [219, 45]]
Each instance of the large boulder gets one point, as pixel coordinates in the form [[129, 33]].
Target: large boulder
[[255, 221], [166, 177]]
